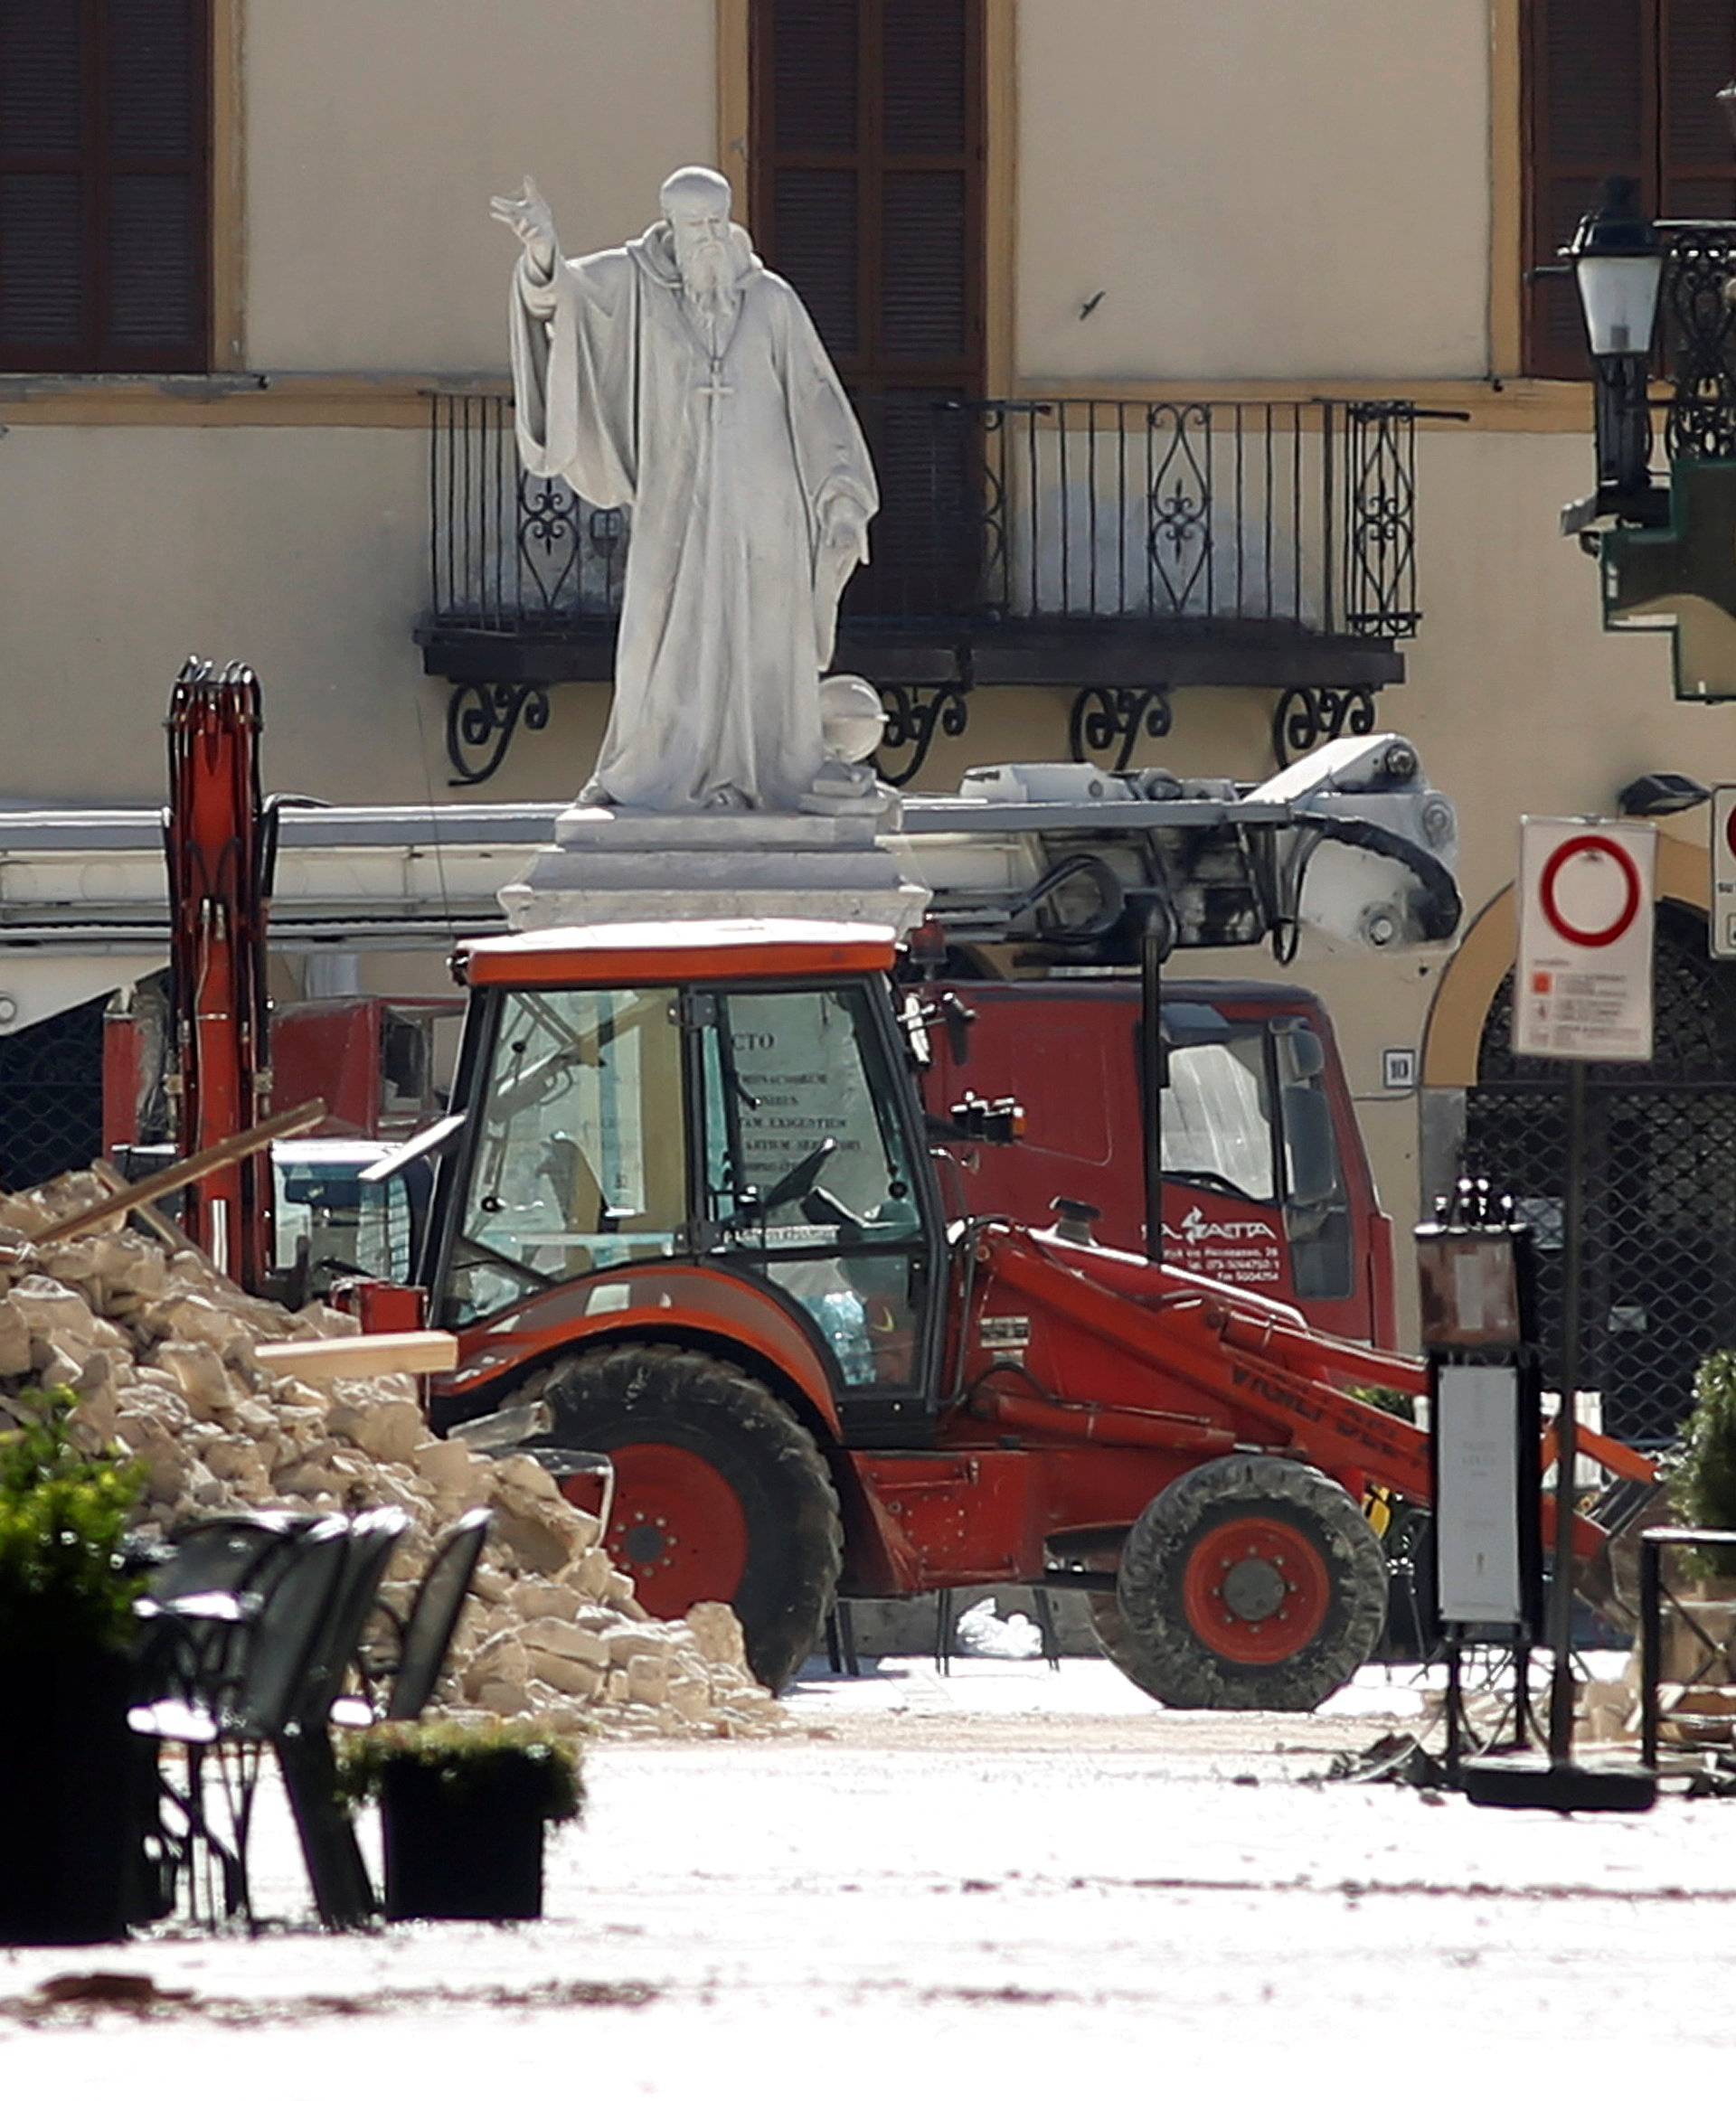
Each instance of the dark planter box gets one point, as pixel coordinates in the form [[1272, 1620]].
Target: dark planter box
[[464, 1848], [70, 1783]]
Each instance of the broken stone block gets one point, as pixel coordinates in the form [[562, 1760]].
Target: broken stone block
[[499, 1697], [543, 1597], [53, 1309], [198, 1371], [449, 1467], [568, 1675], [502, 1655], [558, 1637], [647, 1679], [385, 1429], [718, 1633], [15, 1340], [691, 1698], [52, 1364]]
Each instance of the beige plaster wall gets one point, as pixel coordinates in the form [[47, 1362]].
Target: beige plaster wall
[[375, 134], [122, 550], [1259, 191]]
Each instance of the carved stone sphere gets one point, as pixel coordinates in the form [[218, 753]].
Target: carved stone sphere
[[851, 718]]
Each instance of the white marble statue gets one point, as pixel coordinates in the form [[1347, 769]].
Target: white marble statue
[[681, 378]]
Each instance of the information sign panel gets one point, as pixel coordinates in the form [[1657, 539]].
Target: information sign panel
[[1584, 988], [1723, 872], [1478, 1479]]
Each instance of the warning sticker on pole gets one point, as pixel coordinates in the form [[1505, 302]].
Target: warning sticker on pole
[[1584, 988]]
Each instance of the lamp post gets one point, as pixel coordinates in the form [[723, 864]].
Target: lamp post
[[1618, 266]]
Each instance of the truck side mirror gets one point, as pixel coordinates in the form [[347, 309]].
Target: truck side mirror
[[1310, 1145]]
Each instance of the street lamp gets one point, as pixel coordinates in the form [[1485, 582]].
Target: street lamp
[[1618, 266]]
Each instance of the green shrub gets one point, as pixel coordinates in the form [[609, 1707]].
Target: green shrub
[[463, 1754], [1388, 1400], [1702, 1482], [63, 1515]]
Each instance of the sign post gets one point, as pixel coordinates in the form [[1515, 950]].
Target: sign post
[[1582, 992]]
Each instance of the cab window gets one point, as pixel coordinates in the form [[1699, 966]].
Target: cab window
[[1217, 1128], [581, 1158], [808, 1169]]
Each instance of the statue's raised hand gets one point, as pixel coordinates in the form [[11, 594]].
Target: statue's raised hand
[[530, 218]]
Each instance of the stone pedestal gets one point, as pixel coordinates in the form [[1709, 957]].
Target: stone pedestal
[[611, 866]]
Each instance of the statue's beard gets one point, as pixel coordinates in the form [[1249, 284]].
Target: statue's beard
[[708, 278]]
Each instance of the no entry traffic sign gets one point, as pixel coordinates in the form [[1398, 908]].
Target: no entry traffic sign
[[1584, 982]]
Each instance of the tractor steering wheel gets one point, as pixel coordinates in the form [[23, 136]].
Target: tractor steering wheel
[[789, 1188]]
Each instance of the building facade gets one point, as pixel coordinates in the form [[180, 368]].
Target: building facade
[[1216, 408]]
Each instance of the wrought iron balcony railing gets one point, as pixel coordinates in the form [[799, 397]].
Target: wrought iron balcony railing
[[1695, 345], [1118, 547]]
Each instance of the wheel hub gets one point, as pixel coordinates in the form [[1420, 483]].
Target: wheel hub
[[1256, 1590], [647, 1542], [678, 1529]]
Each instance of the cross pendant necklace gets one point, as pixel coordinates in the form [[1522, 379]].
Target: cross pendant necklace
[[714, 390]]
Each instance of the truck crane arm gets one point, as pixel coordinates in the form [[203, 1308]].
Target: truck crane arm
[[1351, 840]]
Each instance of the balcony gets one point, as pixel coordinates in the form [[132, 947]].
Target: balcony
[[1118, 550]]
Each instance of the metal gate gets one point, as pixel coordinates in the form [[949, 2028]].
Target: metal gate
[[51, 1096], [1660, 1268]]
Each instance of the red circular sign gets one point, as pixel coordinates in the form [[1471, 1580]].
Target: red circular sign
[[1730, 829], [1589, 937]]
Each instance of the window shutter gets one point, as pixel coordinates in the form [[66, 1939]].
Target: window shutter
[[866, 161], [1696, 56], [806, 164], [153, 268], [104, 184], [1590, 112], [43, 195], [1619, 87], [866, 158]]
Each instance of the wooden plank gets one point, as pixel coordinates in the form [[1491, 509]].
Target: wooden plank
[[290, 1123], [149, 1216], [360, 1356]]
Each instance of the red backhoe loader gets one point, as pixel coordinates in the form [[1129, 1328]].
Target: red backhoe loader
[[688, 1215]]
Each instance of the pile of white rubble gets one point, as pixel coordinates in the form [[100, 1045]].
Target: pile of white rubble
[[160, 1350]]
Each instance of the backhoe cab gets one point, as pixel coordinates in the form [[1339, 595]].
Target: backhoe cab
[[691, 1214]]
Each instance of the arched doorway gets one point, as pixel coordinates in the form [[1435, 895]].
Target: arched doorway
[[1660, 1268]]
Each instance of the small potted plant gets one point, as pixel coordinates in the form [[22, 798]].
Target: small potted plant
[[463, 1810], [72, 1773]]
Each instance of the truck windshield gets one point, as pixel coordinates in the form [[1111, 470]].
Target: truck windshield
[[348, 1224], [581, 1158], [1217, 1116]]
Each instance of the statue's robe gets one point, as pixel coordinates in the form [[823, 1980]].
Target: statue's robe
[[730, 464]]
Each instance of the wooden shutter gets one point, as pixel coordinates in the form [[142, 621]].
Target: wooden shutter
[[1619, 87], [1590, 112], [867, 179], [866, 163], [1696, 161], [104, 185]]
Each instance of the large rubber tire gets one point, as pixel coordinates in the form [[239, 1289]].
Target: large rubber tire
[[720, 1492], [1251, 1582], [1109, 1631]]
